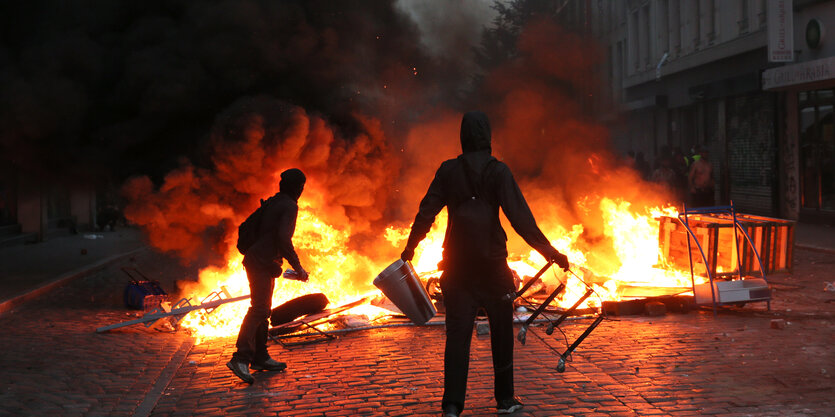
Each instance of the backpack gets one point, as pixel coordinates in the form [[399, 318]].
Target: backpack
[[471, 234], [250, 230]]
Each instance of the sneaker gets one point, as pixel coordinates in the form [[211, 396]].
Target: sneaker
[[451, 411], [269, 365], [240, 370], [510, 405]]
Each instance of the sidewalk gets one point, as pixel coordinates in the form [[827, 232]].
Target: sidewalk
[[818, 237], [30, 270]]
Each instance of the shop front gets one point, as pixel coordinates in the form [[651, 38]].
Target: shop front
[[807, 138]]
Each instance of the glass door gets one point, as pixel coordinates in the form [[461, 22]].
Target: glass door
[[817, 151]]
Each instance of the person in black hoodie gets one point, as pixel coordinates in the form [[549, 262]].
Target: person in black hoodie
[[473, 187], [262, 262]]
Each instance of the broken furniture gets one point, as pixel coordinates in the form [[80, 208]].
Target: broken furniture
[[306, 329], [522, 336], [173, 314]]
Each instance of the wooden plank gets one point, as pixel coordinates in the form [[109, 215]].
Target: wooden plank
[[790, 248], [773, 240]]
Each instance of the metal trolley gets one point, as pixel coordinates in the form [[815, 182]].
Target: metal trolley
[[739, 289]]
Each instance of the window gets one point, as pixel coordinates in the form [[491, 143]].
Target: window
[[634, 39], [710, 21], [761, 13], [743, 17], [697, 23], [817, 150], [675, 26], [663, 26], [619, 73], [645, 35]]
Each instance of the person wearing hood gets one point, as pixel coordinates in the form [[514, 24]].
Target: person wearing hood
[[473, 187], [262, 262]]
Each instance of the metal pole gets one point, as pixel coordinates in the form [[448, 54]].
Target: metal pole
[[176, 312]]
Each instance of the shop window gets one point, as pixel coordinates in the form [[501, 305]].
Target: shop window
[[817, 150]]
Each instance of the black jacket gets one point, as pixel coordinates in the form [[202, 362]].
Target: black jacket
[[498, 188], [278, 223]]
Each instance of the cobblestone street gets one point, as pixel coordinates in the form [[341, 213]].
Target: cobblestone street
[[54, 364], [646, 186]]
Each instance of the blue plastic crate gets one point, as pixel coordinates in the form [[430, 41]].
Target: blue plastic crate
[[142, 294]]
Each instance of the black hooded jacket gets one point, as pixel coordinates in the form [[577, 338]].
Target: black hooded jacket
[[278, 224], [498, 189]]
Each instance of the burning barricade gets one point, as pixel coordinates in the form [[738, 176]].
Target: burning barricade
[[634, 237]]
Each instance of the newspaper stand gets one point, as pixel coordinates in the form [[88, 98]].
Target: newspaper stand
[[739, 289]]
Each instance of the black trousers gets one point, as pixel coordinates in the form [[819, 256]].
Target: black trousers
[[462, 300], [252, 338], [702, 197]]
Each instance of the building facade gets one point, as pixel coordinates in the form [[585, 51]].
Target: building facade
[[806, 92], [685, 74], [33, 209]]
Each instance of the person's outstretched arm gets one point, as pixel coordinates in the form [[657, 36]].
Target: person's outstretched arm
[[521, 218], [431, 204], [284, 239]]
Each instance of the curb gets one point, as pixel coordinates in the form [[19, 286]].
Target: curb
[[146, 407], [815, 248], [64, 279]]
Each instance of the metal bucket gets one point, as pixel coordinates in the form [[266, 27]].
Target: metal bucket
[[400, 283]]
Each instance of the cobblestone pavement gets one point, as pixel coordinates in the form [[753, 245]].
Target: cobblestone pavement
[[54, 364]]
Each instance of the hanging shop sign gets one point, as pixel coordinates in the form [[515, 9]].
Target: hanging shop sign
[[780, 31]]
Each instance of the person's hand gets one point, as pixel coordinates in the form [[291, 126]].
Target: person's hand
[[561, 260], [407, 254], [300, 275]]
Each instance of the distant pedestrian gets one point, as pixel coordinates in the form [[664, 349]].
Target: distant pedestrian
[[629, 160], [700, 181], [263, 264], [642, 166], [680, 164], [666, 176]]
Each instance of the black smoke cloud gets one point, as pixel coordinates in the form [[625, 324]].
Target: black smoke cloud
[[120, 88], [202, 103], [195, 106]]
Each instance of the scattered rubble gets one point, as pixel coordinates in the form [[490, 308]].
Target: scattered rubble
[[778, 324]]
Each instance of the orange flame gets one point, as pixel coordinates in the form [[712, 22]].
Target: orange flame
[[343, 274]]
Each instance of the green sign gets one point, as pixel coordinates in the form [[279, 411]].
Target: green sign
[[814, 33]]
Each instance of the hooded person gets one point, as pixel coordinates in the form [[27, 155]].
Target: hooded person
[[473, 187], [262, 262]]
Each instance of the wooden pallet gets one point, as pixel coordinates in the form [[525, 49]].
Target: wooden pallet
[[773, 239]]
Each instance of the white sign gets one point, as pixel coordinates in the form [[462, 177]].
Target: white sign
[[802, 73], [780, 31]]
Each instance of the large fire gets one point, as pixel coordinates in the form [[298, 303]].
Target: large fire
[[345, 275]]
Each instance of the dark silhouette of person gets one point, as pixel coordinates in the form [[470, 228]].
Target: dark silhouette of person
[[473, 187], [262, 262], [681, 167], [700, 181], [666, 176], [642, 166]]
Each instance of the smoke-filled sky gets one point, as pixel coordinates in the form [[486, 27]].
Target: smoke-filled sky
[[197, 106], [126, 87]]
